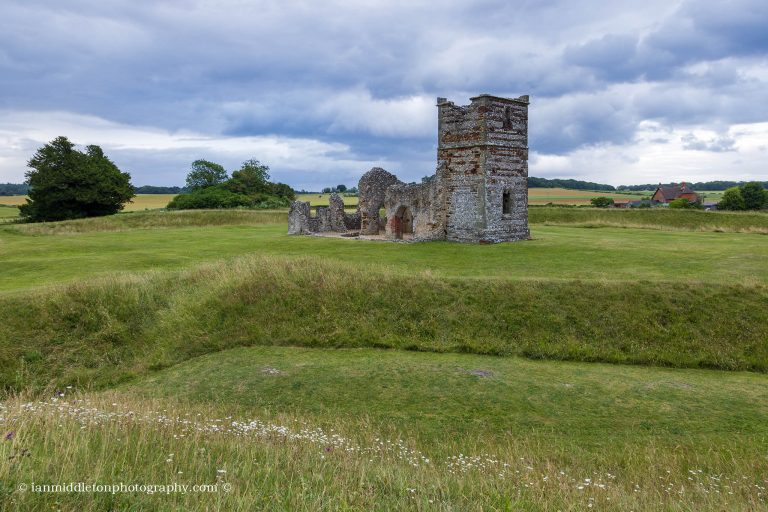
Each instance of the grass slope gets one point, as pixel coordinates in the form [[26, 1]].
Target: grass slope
[[435, 397], [296, 429], [109, 330]]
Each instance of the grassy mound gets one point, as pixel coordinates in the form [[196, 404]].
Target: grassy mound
[[106, 330], [657, 218]]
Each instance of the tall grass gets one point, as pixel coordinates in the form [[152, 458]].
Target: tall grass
[[108, 330], [657, 218], [287, 464], [156, 219]]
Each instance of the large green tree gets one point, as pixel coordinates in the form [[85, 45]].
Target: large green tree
[[205, 174], [731, 200], [755, 197], [251, 178], [65, 183]]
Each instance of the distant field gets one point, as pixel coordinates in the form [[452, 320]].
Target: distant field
[[140, 202], [8, 212], [322, 199], [567, 196], [535, 196]]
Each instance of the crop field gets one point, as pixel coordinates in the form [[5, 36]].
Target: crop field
[[616, 361], [567, 196], [140, 202]]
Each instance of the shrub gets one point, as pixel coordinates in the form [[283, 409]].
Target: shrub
[[209, 197], [601, 202], [248, 187], [731, 200], [683, 204], [755, 197]]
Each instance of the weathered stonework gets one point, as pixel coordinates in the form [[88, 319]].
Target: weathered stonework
[[371, 191], [479, 192], [298, 218], [331, 218], [485, 148]]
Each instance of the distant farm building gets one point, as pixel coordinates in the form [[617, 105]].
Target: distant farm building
[[663, 195], [668, 193]]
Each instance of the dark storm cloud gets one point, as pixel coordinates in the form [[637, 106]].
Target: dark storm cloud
[[365, 74]]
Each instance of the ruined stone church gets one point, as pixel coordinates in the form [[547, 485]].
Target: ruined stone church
[[478, 194]]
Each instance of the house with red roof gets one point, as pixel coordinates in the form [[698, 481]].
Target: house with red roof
[[668, 193]]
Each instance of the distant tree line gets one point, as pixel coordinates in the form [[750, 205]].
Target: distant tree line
[[700, 186], [13, 189], [340, 189], [534, 182], [22, 189], [151, 189]]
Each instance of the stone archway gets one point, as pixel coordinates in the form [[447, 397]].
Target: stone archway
[[402, 223]]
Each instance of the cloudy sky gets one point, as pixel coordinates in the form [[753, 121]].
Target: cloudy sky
[[621, 91]]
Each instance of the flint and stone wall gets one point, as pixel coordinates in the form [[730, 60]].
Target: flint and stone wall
[[484, 147], [371, 191], [331, 218]]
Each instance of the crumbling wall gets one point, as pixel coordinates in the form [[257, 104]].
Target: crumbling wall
[[335, 214], [298, 218], [425, 202], [331, 218], [371, 194], [352, 221]]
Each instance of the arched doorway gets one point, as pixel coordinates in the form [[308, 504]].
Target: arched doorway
[[402, 223]]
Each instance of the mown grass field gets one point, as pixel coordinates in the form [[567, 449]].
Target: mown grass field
[[8, 213], [657, 218], [369, 375], [39, 254]]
